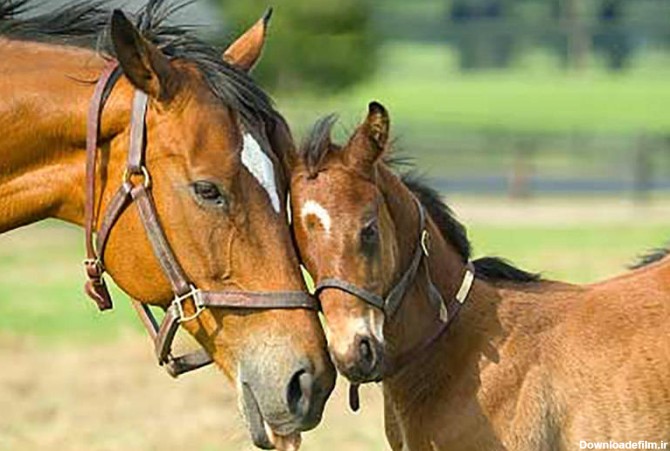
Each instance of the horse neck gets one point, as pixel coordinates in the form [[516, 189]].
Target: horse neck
[[43, 114], [417, 320]]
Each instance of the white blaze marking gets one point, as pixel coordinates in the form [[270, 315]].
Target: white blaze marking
[[343, 341], [260, 166], [314, 208]]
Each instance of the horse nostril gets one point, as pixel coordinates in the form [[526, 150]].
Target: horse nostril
[[299, 393]]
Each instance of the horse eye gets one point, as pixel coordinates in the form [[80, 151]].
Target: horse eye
[[369, 234], [209, 193]]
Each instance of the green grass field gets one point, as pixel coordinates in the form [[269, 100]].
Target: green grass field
[[421, 86], [455, 124]]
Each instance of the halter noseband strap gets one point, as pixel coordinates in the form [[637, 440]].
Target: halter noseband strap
[[136, 188]]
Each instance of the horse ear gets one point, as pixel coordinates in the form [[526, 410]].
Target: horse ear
[[246, 50], [370, 139], [143, 64]]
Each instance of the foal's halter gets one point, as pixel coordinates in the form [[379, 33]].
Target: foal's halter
[[136, 188], [389, 305]]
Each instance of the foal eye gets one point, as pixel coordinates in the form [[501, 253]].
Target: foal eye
[[209, 193]]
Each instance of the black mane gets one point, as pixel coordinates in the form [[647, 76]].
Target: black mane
[[10, 8], [488, 268], [316, 147], [652, 256], [86, 24]]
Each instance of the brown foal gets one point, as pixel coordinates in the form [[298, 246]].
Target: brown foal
[[525, 364], [214, 148]]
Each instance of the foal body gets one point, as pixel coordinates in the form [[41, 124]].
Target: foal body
[[535, 367], [527, 365]]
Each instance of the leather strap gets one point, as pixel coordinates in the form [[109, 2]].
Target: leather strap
[[137, 133], [95, 286], [406, 357], [154, 231], [268, 300], [397, 294], [164, 335], [175, 366], [453, 309], [116, 206], [361, 293]]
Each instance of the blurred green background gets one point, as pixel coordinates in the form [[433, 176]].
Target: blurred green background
[[543, 122], [489, 96]]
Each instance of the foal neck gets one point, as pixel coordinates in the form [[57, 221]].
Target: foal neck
[[417, 320], [44, 95]]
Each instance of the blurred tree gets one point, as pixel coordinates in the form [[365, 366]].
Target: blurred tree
[[579, 40], [316, 45], [613, 38], [484, 40]]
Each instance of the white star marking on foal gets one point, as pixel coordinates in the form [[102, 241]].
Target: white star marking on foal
[[314, 208]]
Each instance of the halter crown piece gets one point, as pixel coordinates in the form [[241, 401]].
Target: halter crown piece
[[390, 304], [136, 188]]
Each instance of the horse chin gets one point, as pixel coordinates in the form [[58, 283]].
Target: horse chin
[[262, 434]]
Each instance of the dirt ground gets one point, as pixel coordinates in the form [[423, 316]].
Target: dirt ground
[[114, 397]]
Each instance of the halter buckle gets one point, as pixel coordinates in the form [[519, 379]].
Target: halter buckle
[[94, 264], [144, 173], [425, 242], [197, 301]]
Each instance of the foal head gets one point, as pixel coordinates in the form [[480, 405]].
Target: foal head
[[343, 229]]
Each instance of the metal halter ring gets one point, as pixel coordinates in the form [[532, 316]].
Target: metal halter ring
[[425, 242], [94, 262], [197, 301], [146, 179]]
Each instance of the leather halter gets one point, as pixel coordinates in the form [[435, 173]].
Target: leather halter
[[136, 188], [389, 305]]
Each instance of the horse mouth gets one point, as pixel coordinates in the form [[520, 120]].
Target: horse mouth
[[262, 433]]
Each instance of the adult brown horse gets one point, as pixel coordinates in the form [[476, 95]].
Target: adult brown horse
[[526, 365], [185, 195]]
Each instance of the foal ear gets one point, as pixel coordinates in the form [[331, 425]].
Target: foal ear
[[246, 50], [370, 139], [143, 63]]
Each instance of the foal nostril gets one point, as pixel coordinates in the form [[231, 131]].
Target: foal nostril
[[299, 393], [367, 355]]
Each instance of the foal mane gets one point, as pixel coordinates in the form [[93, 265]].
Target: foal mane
[[86, 23], [316, 147]]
